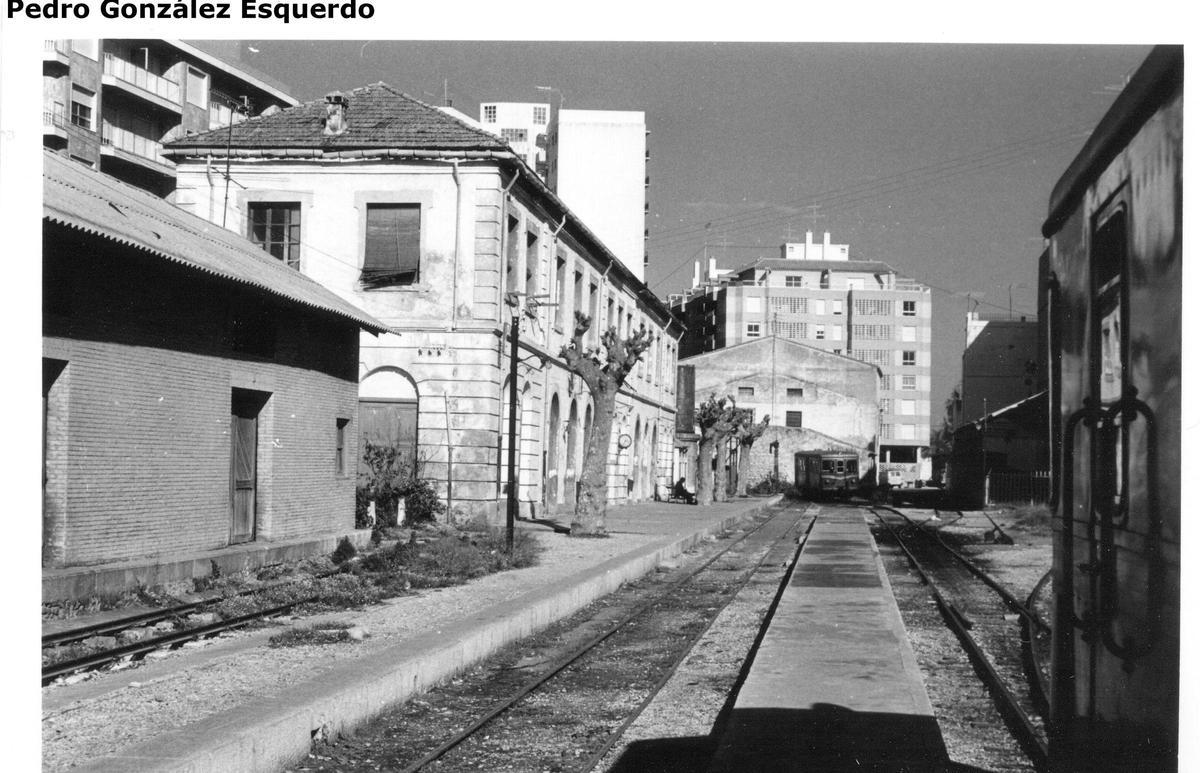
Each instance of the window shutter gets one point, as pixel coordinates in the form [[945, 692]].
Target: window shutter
[[393, 245]]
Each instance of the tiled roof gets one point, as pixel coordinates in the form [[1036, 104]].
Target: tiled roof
[[75, 196], [378, 117]]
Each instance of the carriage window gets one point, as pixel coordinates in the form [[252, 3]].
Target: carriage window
[[1108, 262]]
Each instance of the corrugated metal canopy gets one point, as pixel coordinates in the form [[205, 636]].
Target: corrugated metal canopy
[[81, 198]]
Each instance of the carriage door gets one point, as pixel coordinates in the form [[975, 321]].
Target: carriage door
[[243, 463]]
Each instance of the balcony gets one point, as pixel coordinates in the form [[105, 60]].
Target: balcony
[[143, 151], [54, 126], [58, 51], [142, 83]]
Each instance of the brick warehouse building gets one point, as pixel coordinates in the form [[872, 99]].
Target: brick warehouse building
[[433, 226], [197, 395]]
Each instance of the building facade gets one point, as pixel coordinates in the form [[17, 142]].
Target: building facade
[[523, 125], [109, 104], [1000, 364], [195, 396], [817, 400], [443, 232], [860, 309]]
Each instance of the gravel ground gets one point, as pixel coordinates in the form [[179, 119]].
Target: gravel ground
[[74, 731]]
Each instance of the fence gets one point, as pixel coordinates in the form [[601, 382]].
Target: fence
[[1029, 487], [142, 78]]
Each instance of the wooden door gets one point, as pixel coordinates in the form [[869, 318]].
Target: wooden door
[[243, 468], [389, 423]]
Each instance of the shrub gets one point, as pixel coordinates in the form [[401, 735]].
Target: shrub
[[391, 478], [421, 503], [344, 552], [768, 485]]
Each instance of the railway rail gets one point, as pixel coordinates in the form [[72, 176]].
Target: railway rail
[[981, 625], [688, 602]]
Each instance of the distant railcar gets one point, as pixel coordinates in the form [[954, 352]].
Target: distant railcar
[[826, 473], [1112, 294]]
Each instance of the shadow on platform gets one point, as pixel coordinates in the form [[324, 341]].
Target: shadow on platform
[[824, 739]]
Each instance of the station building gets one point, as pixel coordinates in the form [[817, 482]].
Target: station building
[[442, 231]]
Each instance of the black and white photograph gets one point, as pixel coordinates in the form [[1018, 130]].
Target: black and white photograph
[[722, 391]]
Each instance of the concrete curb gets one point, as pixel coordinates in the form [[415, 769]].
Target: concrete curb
[[269, 734]]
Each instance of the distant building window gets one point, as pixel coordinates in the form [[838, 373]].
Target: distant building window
[[908, 333], [794, 419], [885, 430], [753, 329], [905, 432], [873, 356], [790, 305], [837, 306], [514, 135], [908, 382], [744, 391], [818, 306], [489, 113], [560, 287], [885, 405], [275, 227], [339, 458], [908, 358], [392, 252], [885, 382], [910, 308], [825, 280], [837, 351], [795, 393], [908, 407], [820, 332], [872, 307], [793, 281], [197, 88], [539, 115], [83, 103]]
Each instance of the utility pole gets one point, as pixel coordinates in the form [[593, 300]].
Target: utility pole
[[513, 335]]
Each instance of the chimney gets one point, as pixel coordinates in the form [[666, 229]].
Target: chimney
[[337, 105]]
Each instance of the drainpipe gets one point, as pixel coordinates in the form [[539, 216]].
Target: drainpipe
[[449, 461], [212, 189], [458, 214]]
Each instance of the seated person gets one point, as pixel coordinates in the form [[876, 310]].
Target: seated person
[[679, 491]]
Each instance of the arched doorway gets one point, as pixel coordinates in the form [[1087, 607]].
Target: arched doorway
[[550, 462], [572, 473], [388, 411]]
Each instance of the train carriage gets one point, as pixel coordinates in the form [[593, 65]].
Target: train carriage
[[1112, 293], [826, 473]]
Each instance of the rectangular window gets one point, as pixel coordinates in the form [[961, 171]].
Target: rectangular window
[[820, 332], [885, 430], [793, 281], [794, 419], [837, 305], [514, 135], [512, 255], [795, 393], [885, 404], [908, 407], [909, 308], [905, 432], [275, 226], [885, 382], [835, 332], [908, 333], [197, 88], [539, 115], [489, 113], [392, 254], [560, 280], [818, 306], [533, 261], [594, 312], [579, 302], [339, 458], [753, 329], [872, 307], [83, 104], [745, 391], [908, 382], [837, 351], [908, 358]]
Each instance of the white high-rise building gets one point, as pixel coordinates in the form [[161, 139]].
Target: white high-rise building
[[598, 161], [520, 124]]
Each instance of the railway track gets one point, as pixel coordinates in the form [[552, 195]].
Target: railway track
[[981, 612], [534, 716]]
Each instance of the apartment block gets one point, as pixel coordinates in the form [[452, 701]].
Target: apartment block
[[111, 103], [523, 125], [815, 293]]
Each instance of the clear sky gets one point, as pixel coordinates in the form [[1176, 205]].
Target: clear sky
[[937, 159]]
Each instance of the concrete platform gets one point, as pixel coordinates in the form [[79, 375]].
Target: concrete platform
[[834, 685], [270, 732]]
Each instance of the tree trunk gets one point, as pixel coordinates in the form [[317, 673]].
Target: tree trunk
[[721, 483], [704, 472], [743, 468], [591, 507]]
